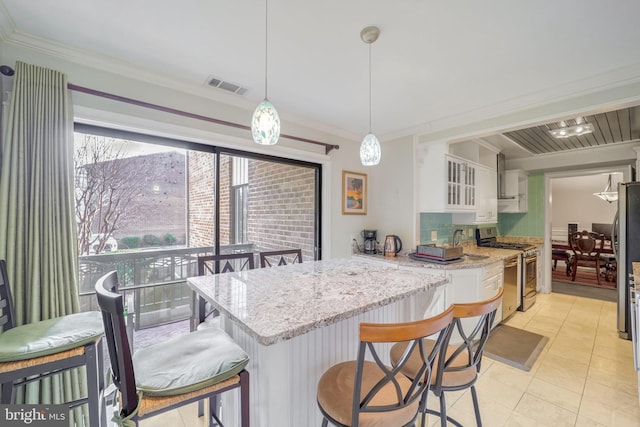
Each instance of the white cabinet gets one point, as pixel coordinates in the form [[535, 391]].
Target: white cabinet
[[492, 280], [461, 184], [467, 285], [487, 195], [446, 183], [516, 189], [449, 182]]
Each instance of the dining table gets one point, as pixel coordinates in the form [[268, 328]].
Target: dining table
[[295, 321], [607, 249]]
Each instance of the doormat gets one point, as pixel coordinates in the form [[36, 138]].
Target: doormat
[[514, 347]]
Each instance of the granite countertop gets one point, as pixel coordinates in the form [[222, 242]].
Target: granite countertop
[[278, 303], [486, 256]]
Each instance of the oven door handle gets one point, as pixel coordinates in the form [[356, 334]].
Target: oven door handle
[[511, 263], [530, 260]]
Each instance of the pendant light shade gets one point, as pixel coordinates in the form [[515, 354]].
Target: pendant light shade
[[370, 151], [608, 195], [265, 123]]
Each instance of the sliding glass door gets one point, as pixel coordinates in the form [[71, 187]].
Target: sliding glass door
[[149, 206]]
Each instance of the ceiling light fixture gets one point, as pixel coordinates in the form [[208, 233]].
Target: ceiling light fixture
[[580, 128], [265, 123], [607, 195], [370, 147]]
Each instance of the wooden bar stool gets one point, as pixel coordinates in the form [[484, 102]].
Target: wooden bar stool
[[42, 349], [458, 369], [367, 392]]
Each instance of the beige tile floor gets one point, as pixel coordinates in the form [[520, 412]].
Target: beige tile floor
[[583, 378]]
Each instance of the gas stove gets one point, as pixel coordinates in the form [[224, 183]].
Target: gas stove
[[527, 280], [487, 238], [505, 245]]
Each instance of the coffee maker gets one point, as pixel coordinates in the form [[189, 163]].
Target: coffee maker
[[370, 243]]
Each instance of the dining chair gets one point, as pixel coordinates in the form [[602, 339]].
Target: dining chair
[[283, 257], [586, 247], [39, 350], [168, 374], [462, 355], [368, 392]]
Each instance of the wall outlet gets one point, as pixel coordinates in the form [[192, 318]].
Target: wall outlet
[[434, 235]]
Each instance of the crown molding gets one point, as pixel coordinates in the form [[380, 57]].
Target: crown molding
[[7, 26], [115, 66], [567, 93]]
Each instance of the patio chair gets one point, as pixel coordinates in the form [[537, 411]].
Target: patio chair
[[166, 375], [284, 257], [215, 264]]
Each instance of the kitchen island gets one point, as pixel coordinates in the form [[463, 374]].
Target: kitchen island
[[296, 321]]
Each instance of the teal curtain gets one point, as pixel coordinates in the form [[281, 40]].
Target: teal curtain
[[37, 220]]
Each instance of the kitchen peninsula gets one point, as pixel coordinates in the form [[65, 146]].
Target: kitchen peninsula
[[296, 321]]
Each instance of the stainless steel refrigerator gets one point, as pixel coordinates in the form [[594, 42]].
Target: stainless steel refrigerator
[[627, 246]]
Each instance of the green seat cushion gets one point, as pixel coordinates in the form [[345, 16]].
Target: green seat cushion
[[188, 362], [50, 336]]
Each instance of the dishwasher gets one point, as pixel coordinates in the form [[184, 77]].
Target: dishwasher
[[511, 296]]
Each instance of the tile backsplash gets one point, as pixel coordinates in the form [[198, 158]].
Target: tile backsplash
[[531, 223], [443, 226]]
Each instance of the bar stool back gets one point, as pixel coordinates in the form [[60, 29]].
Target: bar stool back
[[171, 373], [458, 369], [368, 392]]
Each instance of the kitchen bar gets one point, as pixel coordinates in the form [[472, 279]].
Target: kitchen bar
[[295, 321]]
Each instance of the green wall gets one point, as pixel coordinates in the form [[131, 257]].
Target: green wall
[[529, 224]]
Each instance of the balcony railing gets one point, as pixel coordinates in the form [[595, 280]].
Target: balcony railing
[[153, 282]]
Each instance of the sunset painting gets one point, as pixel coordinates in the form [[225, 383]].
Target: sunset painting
[[354, 193]]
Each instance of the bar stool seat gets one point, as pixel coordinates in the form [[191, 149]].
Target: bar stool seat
[[49, 337], [39, 350]]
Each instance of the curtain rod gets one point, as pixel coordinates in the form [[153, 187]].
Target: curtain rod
[[8, 71]]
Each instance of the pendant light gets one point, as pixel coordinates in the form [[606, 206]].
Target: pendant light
[[370, 147], [608, 195], [265, 123]]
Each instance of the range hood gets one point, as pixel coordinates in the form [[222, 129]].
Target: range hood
[[501, 180], [512, 188]]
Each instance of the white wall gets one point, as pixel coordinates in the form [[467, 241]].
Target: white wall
[[389, 215], [573, 201]]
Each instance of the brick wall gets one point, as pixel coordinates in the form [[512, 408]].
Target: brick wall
[[201, 200], [281, 207], [280, 204]]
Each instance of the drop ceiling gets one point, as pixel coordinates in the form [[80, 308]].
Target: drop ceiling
[[436, 66]]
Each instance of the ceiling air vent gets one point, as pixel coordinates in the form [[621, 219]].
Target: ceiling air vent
[[225, 85]]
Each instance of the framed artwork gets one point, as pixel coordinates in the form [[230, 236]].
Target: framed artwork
[[354, 193]]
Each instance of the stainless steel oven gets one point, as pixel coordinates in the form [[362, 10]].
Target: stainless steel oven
[[529, 278], [528, 282], [511, 299]]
